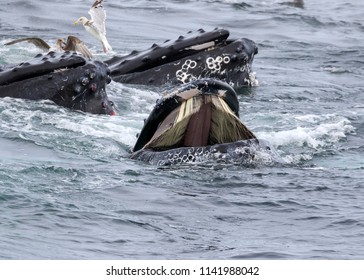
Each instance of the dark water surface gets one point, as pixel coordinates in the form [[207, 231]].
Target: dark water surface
[[69, 191]]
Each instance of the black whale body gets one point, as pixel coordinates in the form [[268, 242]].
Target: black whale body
[[194, 56], [189, 125], [66, 78], [71, 81]]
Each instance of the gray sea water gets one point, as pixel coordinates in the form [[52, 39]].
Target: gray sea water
[[69, 191]]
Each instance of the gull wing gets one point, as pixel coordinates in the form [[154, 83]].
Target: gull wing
[[38, 42], [75, 44], [98, 16]]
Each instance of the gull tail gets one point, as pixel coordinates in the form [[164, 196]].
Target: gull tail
[[106, 45]]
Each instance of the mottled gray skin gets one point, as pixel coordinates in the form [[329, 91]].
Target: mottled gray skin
[[179, 61], [65, 78], [239, 152]]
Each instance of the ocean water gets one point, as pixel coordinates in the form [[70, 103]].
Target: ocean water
[[69, 191]]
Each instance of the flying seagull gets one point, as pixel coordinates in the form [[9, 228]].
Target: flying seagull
[[72, 44], [96, 25]]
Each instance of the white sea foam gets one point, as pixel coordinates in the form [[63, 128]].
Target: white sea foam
[[313, 131], [14, 54], [134, 100]]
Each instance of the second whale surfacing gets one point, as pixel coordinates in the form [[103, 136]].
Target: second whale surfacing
[[197, 55], [198, 122]]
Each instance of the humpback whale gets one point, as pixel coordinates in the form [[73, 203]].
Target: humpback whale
[[72, 81], [197, 122], [197, 55], [67, 79]]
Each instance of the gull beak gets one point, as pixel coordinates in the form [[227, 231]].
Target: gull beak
[[76, 22]]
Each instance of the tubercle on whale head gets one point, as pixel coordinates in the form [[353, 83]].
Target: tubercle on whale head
[[109, 107], [90, 90]]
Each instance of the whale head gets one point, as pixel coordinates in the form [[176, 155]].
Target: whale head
[[66, 78], [194, 56]]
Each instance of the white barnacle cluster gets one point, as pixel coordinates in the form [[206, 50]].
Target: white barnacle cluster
[[251, 80], [214, 64], [182, 74], [242, 150], [193, 154], [178, 158]]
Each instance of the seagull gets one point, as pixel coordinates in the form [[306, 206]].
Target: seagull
[[96, 26], [72, 44]]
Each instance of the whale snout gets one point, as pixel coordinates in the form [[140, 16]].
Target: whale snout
[[249, 47], [108, 108]]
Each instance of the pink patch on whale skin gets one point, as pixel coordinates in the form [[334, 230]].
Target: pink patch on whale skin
[[93, 87]]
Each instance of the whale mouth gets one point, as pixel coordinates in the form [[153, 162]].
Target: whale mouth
[[197, 122], [201, 113]]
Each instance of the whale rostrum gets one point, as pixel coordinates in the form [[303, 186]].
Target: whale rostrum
[[194, 56]]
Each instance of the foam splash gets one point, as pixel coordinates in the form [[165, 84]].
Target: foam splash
[[51, 126], [136, 101], [14, 54], [313, 134], [46, 124], [313, 131], [336, 70], [252, 80]]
